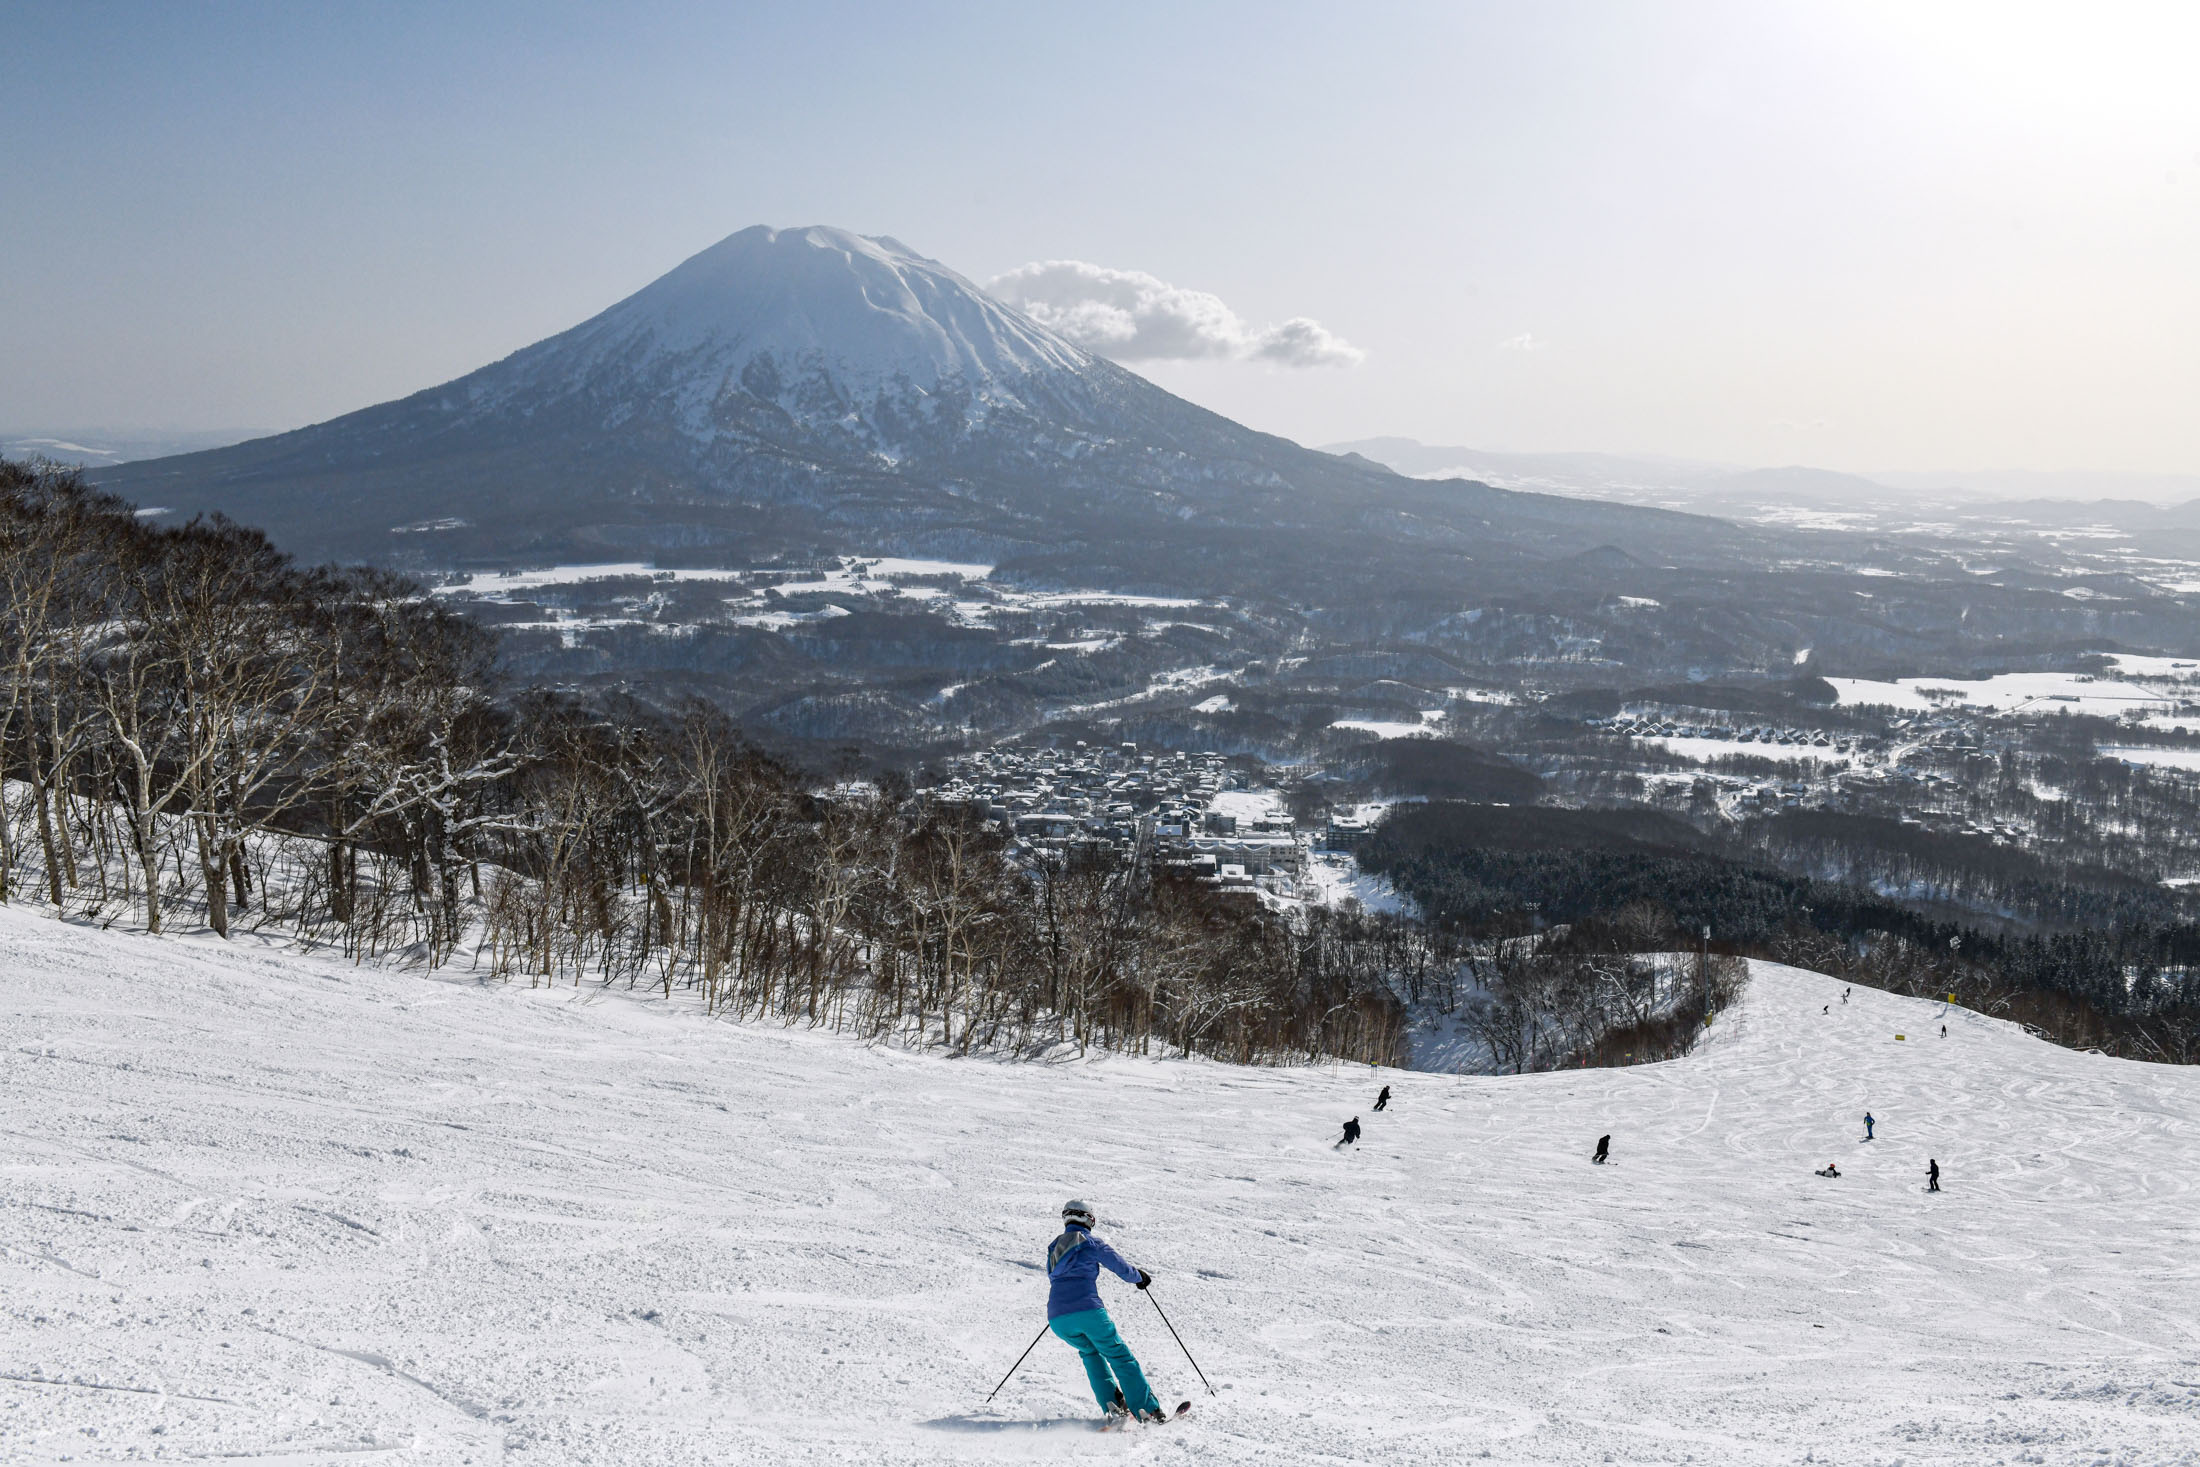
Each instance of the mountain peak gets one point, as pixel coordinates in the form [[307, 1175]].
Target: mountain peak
[[820, 308]]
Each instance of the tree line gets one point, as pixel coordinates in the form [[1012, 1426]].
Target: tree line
[[192, 723], [2128, 983]]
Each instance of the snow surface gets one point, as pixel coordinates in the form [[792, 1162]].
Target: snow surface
[[2170, 669], [2010, 692], [1704, 750], [1332, 877], [1394, 728], [2153, 755], [839, 325], [1248, 805], [496, 583], [269, 1206]]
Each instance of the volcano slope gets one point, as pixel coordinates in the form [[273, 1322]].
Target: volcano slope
[[269, 1206]]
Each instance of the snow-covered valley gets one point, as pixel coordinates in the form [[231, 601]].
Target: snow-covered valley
[[269, 1206]]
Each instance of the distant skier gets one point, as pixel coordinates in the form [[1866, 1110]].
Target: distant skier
[[1830, 1170], [1944, 1031], [1351, 1132], [1932, 1175], [1827, 1009], [1845, 994], [1604, 1150], [1868, 1124], [1383, 1099], [1075, 1313]]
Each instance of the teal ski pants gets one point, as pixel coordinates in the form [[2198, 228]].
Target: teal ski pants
[[1108, 1361]]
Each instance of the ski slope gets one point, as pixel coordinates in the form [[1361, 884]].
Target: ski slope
[[265, 1206]]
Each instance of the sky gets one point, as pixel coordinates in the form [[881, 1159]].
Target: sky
[[1858, 235]]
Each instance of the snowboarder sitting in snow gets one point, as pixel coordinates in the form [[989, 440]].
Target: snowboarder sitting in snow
[[1383, 1099], [1074, 1312], [1830, 1170], [1351, 1131], [1604, 1150]]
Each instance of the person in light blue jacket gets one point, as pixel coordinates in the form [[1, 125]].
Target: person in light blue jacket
[[1075, 1313]]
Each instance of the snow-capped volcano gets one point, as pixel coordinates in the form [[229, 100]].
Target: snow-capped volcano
[[864, 310], [815, 391], [836, 330]]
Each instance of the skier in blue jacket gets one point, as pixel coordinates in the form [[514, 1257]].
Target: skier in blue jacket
[[1074, 1312]]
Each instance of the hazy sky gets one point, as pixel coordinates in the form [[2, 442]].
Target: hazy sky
[[1851, 234]]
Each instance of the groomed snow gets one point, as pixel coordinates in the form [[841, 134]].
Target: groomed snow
[[271, 1207]]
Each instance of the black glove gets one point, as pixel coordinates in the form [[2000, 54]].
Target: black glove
[[1144, 1278]]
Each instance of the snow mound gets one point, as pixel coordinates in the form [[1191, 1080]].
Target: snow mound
[[270, 1206]]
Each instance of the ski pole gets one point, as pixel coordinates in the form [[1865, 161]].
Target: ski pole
[[1020, 1359], [1179, 1341]]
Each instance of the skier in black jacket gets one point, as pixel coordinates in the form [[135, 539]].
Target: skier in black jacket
[[1383, 1099], [1932, 1175], [1351, 1131], [1604, 1150]]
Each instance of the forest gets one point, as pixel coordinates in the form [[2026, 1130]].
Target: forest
[[2104, 964], [194, 724]]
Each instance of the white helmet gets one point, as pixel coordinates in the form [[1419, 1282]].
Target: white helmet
[[1074, 1211]]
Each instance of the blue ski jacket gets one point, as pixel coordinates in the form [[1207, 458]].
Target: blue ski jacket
[[1073, 1271]]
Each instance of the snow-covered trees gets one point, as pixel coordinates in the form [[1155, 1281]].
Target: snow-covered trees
[[171, 693], [191, 722]]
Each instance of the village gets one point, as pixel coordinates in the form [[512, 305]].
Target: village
[[1211, 816]]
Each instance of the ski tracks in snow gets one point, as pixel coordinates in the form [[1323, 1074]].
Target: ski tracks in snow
[[253, 1211]]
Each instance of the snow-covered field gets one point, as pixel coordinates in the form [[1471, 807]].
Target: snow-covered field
[[268, 1207], [2011, 692], [1705, 750], [496, 585], [2160, 758], [1395, 728]]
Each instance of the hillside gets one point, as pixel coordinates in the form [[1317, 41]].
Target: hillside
[[276, 1207]]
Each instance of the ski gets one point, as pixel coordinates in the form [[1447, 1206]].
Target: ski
[[1117, 1421]]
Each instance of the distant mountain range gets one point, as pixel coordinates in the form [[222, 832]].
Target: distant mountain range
[[105, 447], [1730, 490]]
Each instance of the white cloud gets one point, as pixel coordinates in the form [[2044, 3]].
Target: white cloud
[[1525, 341], [1300, 342], [1132, 316]]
